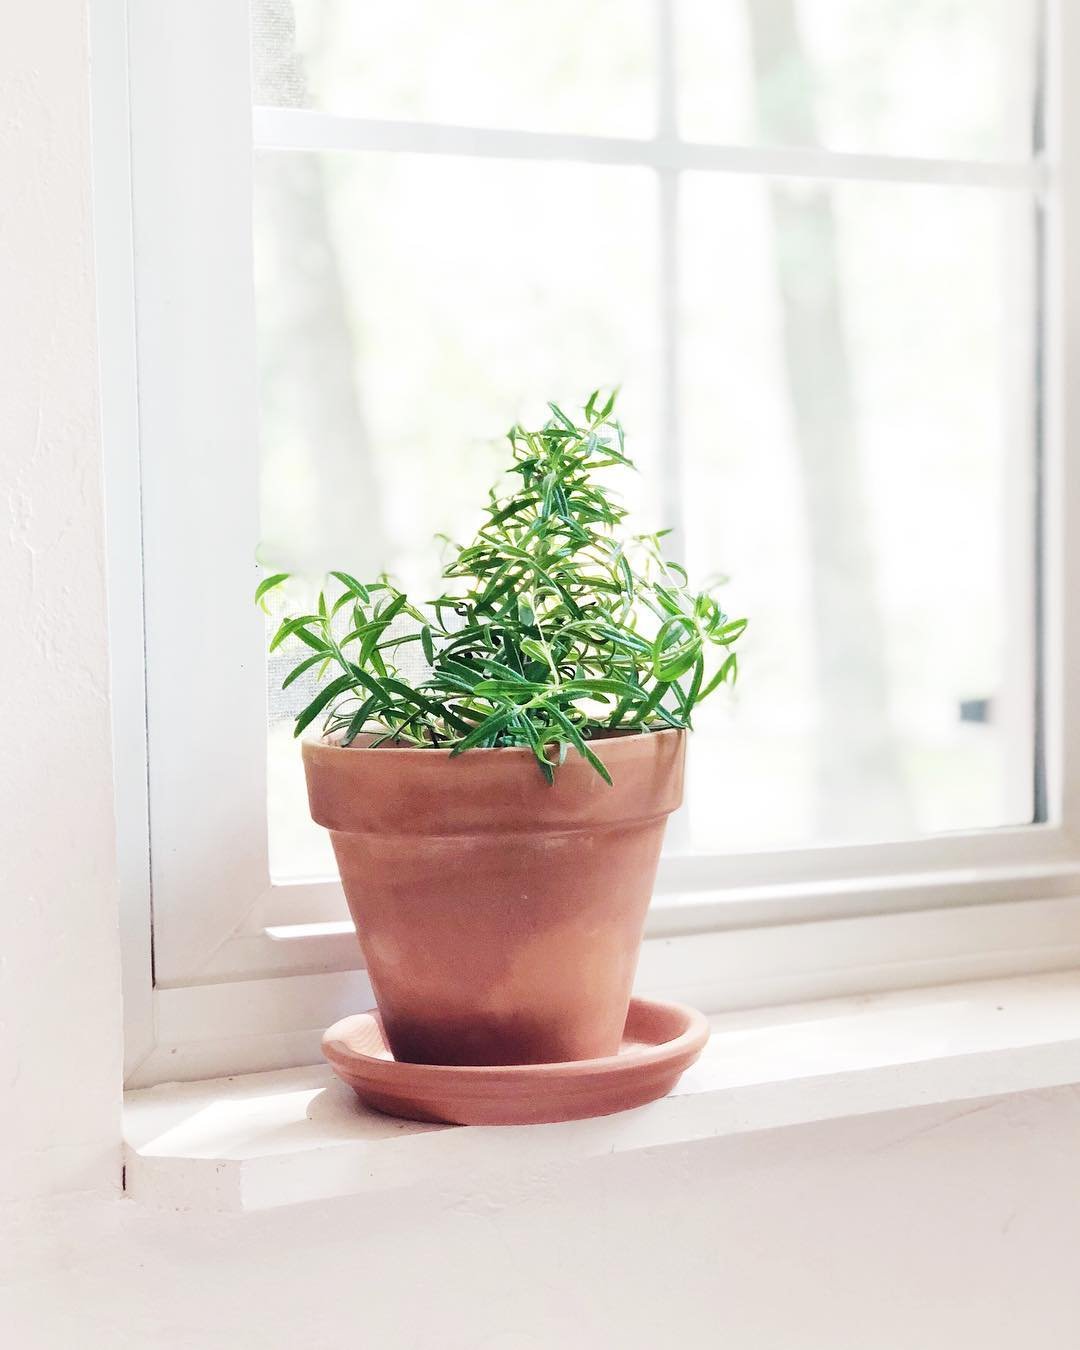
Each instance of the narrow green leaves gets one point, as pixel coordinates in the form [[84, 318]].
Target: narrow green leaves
[[551, 629], [353, 587], [299, 628], [267, 585], [319, 702], [728, 673], [485, 732], [318, 659], [578, 742]]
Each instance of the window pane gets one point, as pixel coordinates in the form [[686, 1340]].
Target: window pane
[[854, 369], [410, 308], [539, 65], [859, 450], [909, 77]]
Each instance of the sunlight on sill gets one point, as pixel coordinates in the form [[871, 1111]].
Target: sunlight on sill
[[259, 1141]]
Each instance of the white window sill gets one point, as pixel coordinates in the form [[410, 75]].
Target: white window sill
[[263, 1140]]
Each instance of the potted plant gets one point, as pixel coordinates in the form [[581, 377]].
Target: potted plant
[[497, 823]]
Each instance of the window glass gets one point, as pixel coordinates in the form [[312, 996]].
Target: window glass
[[858, 450], [829, 386], [933, 78], [535, 65]]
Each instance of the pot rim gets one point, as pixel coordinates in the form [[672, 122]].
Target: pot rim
[[412, 790]]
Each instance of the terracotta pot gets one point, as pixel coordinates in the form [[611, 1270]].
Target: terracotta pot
[[500, 918]]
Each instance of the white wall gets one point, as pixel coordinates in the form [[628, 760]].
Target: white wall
[[930, 1229], [924, 1230], [59, 992]]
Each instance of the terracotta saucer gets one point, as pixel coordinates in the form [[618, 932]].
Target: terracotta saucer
[[660, 1041]]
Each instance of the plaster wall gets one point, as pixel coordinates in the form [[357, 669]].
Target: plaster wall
[[59, 986], [927, 1229]]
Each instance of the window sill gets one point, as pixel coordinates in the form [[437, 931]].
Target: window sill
[[264, 1140]]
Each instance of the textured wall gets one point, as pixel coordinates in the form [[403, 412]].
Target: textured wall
[[944, 1228], [59, 986]]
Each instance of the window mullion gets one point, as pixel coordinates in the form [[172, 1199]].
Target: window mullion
[[670, 476], [669, 470], [277, 128]]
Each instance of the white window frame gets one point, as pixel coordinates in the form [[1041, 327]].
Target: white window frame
[[226, 971]]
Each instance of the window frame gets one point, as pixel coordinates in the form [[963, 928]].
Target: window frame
[[225, 970]]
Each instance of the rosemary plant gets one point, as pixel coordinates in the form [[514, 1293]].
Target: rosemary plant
[[552, 629]]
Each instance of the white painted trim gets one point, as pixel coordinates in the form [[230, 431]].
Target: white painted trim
[[306, 129], [676, 914], [946, 859], [297, 1136], [198, 427], [247, 1026], [1061, 419], [114, 257], [244, 1025], [671, 505], [328, 943]]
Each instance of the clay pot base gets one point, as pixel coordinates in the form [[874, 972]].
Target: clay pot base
[[660, 1041]]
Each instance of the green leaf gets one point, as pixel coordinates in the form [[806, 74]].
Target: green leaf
[[495, 669], [465, 673], [535, 649], [304, 665], [562, 417], [667, 634], [621, 688], [731, 631], [426, 643], [392, 610], [359, 719], [325, 695], [579, 742], [488, 728], [264, 587], [695, 683], [677, 663], [370, 683], [353, 586], [298, 628], [730, 668], [622, 638], [669, 601], [669, 719], [652, 703], [506, 689], [418, 700]]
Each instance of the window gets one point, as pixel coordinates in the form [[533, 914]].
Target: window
[[828, 373], [810, 240]]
